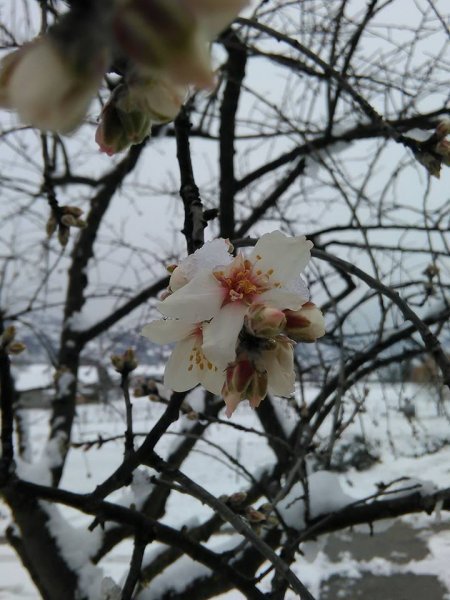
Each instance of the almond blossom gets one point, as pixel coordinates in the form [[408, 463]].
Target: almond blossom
[[223, 295], [231, 318]]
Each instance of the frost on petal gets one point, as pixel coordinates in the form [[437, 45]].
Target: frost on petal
[[199, 300], [179, 375], [286, 256], [167, 331], [282, 298], [221, 335], [211, 255]]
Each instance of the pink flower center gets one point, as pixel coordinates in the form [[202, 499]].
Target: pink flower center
[[241, 282]]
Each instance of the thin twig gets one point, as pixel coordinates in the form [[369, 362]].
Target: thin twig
[[194, 222], [235, 520], [429, 339], [7, 413], [134, 573], [129, 436]]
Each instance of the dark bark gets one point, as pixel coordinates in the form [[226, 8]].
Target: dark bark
[[234, 71]]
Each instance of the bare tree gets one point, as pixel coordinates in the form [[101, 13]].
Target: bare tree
[[327, 119]]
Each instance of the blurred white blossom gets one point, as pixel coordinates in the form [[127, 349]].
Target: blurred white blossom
[[45, 88]]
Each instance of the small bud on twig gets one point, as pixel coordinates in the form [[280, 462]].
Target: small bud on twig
[[51, 226], [124, 363], [63, 235], [254, 516], [15, 348], [8, 343], [68, 220], [237, 498]]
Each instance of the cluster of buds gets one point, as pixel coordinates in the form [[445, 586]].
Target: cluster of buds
[[435, 151], [51, 80], [8, 343], [265, 351], [145, 386], [256, 517], [124, 363], [62, 219], [244, 381]]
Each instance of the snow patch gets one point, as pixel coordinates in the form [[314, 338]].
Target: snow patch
[[77, 546], [325, 496], [175, 578]]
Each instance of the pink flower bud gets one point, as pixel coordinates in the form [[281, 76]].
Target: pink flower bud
[[118, 128], [243, 381], [239, 375], [257, 389], [265, 321], [306, 324]]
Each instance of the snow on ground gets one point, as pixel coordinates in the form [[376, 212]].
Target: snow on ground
[[41, 376], [399, 442]]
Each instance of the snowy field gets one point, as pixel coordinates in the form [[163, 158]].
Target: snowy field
[[416, 447]]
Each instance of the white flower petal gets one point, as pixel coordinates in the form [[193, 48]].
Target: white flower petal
[[231, 403], [215, 15], [281, 384], [279, 365], [177, 375], [167, 331], [211, 255], [199, 300], [212, 379], [220, 336], [299, 287], [177, 279], [287, 256], [282, 298]]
